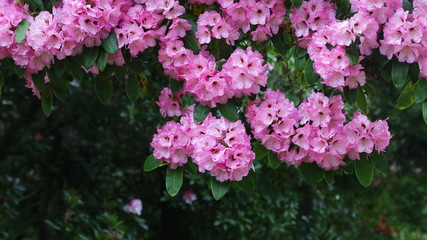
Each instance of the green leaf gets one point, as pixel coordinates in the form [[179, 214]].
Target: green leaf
[[59, 68], [309, 74], [56, 81], [151, 163], [369, 89], [364, 171], [297, 3], [187, 100], [290, 53], [247, 184], [175, 85], [200, 113], [132, 88], [399, 74], [102, 60], [407, 6], [361, 100], [1, 79], [259, 150], [352, 53], [39, 4], [60, 93], [273, 160], [191, 168], [406, 98], [75, 69], [279, 43], [420, 89], [348, 169], [219, 189], [38, 80], [311, 173], [21, 31], [190, 42], [380, 162], [220, 49], [219, 65], [350, 95], [425, 111], [47, 100], [119, 72], [174, 180], [229, 111], [104, 89], [89, 56], [299, 63], [110, 44], [329, 177]]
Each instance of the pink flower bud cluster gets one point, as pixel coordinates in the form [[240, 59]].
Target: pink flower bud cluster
[[135, 207], [217, 145], [241, 75], [74, 24], [405, 36], [170, 103], [314, 132], [266, 15]]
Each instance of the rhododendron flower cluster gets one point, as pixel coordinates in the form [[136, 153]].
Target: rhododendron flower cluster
[[241, 75], [170, 103], [217, 145], [266, 15], [314, 132]]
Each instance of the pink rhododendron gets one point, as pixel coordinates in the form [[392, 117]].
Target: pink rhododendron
[[135, 207]]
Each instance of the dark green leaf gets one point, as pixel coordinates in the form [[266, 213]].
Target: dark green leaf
[[380, 162], [247, 184], [200, 113], [191, 168], [75, 69], [20, 72], [151, 163], [369, 89], [102, 60], [229, 110], [311, 173], [399, 74], [187, 100], [38, 80], [59, 68], [300, 52], [364, 171], [297, 3], [39, 4], [361, 100], [352, 53], [406, 98], [220, 49], [104, 89], [259, 150], [119, 73], [110, 43], [279, 43], [290, 53], [350, 95], [191, 43], [60, 93], [420, 89], [89, 56], [309, 74], [219, 65], [1, 79], [47, 100], [174, 180], [132, 88], [273, 160], [21, 30], [59, 82], [219, 189], [348, 169], [407, 6], [175, 85], [299, 63], [425, 111], [329, 177]]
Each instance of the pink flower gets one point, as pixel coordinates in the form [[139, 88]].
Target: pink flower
[[135, 207], [189, 197]]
